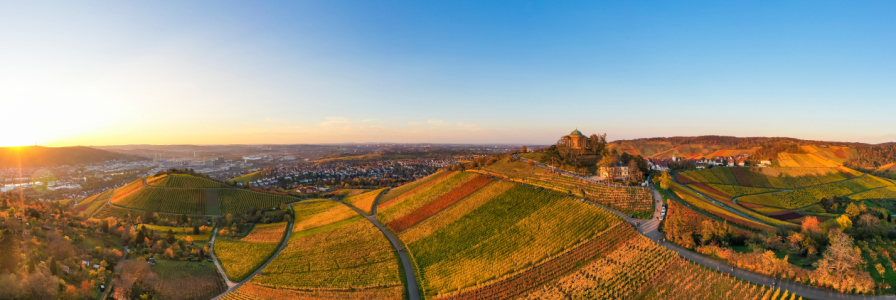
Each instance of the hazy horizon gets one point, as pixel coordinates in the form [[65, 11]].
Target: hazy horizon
[[202, 73]]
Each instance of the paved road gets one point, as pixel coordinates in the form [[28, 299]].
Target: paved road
[[413, 292], [650, 230], [233, 286], [118, 267]]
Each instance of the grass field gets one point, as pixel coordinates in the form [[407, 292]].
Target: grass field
[[240, 257], [248, 177], [509, 233], [364, 201], [351, 255]]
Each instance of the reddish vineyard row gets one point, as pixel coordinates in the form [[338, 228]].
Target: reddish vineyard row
[[439, 204], [416, 190], [539, 275]]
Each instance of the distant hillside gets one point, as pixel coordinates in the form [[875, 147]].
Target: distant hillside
[[37, 156]]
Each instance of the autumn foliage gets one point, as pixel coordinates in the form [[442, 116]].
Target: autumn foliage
[[439, 204]]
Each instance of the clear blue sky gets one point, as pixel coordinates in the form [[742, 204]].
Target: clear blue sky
[[99, 73]]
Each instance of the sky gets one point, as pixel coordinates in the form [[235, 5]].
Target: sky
[[520, 72]]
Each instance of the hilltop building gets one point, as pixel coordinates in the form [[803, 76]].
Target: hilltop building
[[574, 141]]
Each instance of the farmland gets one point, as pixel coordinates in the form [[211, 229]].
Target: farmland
[[811, 195], [187, 181], [181, 233], [698, 202], [766, 178], [239, 200], [513, 231], [317, 213], [347, 256], [91, 204], [187, 280], [626, 199], [240, 257], [248, 177], [415, 199], [640, 269], [364, 201]]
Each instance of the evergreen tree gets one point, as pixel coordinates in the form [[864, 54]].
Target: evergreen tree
[[170, 237], [195, 229], [10, 251], [140, 237], [31, 266], [136, 290], [54, 269]]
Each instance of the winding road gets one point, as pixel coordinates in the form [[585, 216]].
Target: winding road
[[411, 279], [231, 286], [650, 230]]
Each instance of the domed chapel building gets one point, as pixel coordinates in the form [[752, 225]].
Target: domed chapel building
[[574, 141]]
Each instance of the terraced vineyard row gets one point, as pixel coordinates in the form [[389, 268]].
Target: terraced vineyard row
[[625, 199], [509, 233], [807, 196], [415, 199], [364, 201], [253, 291], [880, 193], [91, 204], [516, 283], [439, 204], [177, 201], [240, 257], [187, 181], [312, 214], [697, 201], [352, 256], [776, 178], [238, 200]]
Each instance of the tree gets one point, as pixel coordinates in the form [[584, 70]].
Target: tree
[[841, 265], [844, 221], [598, 144], [852, 210], [170, 237], [10, 249], [31, 265], [524, 149], [140, 237], [54, 269], [810, 224], [196, 229]]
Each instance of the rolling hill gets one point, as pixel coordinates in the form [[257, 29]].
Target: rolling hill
[[180, 194], [38, 156]]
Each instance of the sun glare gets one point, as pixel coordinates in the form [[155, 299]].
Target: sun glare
[[17, 138]]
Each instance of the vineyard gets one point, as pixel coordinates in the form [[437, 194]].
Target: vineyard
[[240, 257], [252, 291], [187, 181], [239, 200], [517, 228], [640, 269], [439, 204], [177, 201], [364, 201], [767, 178], [624, 199], [455, 212], [187, 280], [410, 187], [417, 198], [352, 256], [879, 193], [811, 195], [90, 205], [158, 180], [180, 233], [698, 202], [318, 213]]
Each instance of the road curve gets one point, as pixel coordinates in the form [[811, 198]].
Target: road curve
[[413, 291], [233, 286]]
